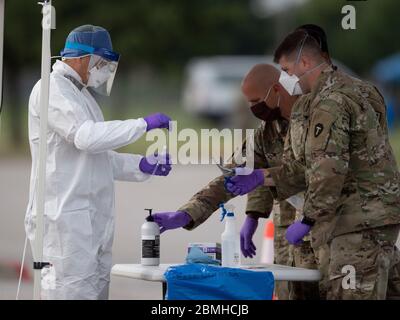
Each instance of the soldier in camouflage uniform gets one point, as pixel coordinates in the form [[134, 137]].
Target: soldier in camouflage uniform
[[301, 256], [268, 149], [304, 254], [352, 182]]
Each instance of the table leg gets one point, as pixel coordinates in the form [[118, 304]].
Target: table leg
[[164, 289]]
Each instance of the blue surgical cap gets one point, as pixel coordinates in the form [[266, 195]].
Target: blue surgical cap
[[85, 40]]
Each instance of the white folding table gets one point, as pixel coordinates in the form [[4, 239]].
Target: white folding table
[[156, 274]]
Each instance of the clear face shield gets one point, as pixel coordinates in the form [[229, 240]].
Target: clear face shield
[[102, 68], [102, 75]]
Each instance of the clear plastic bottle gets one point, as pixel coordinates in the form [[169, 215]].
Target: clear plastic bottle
[[230, 240]]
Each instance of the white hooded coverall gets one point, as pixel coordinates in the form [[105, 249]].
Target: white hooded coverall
[[80, 174]]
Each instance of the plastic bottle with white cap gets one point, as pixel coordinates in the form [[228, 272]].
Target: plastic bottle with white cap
[[150, 242], [230, 240]]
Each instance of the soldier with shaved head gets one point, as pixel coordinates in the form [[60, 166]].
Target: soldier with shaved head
[[269, 102]]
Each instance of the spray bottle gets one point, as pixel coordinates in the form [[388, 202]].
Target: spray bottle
[[150, 241], [230, 241]]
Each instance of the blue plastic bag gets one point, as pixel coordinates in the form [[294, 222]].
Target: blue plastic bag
[[196, 255], [206, 282]]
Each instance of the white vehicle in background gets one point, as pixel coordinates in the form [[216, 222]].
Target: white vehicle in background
[[212, 88]]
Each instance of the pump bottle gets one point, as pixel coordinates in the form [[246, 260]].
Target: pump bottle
[[150, 232]]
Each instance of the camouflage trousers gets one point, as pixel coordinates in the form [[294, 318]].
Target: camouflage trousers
[[283, 256], [297, 256], [305, 257], [364, 265]]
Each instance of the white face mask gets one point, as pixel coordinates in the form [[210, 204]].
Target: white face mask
[[291, 83], [101, 75], [97, 77]]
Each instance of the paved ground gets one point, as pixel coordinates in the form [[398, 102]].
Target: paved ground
[[162, 194]]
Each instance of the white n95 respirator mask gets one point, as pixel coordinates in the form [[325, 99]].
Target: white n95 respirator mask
[[97, 77], [101, 76], [290, 84]]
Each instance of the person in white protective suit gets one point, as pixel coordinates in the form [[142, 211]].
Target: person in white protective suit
[[82, 167]]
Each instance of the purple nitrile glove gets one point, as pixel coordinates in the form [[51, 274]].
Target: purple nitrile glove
[[172, 220], [296, 232], [157, 121], [246, 237], [243, 184], [156, 165]]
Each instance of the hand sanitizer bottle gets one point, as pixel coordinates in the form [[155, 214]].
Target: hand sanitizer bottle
[[230, 241], [150, 242]]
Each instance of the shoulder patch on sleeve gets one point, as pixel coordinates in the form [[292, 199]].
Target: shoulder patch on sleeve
[[320, 128]]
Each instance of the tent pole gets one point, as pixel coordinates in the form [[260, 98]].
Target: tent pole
[[41, 182]]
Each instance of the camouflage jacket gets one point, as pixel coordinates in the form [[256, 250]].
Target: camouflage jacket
[[339, 134], [268, 149]]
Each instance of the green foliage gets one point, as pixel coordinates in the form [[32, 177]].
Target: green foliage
[[165, 34], [376, 35], [158, 33]]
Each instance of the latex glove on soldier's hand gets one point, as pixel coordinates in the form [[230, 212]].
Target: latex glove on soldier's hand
[[172, 220], [243, 183], [246, 237], [156, 165], [297, 231], [157, 121]]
